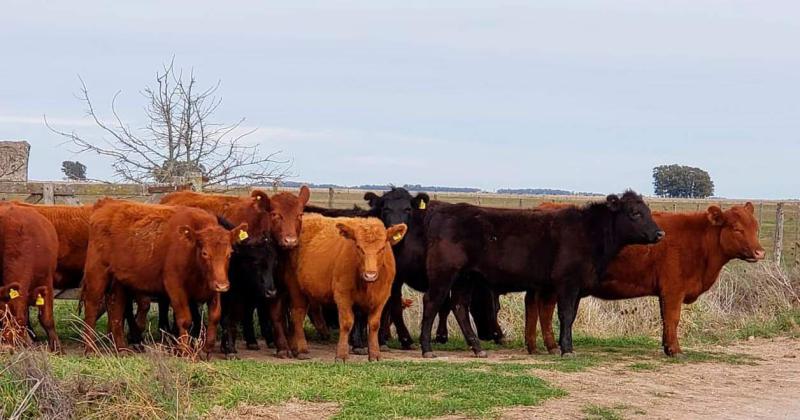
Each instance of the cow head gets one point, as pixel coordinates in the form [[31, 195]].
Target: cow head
[[738, 234], [212, 246], [286, 216], [396, 205], [371, 240], [633, 223], [253, 263]]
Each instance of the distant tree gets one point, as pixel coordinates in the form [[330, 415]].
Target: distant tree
[[74, 171], [682, 181], [179, 140]]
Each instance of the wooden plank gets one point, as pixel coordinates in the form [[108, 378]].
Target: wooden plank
[[48, 194]]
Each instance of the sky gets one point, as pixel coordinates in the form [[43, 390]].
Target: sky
[[578, 95]]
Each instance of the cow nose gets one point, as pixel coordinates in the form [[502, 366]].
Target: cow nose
[[370, 275], [290, 241], [660, 235], [269, 294], [221, 287], [760, 254]]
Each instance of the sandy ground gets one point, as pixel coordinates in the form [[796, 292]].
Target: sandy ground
[[769, 388]]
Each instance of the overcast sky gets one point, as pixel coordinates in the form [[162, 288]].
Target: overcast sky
[[579, 95]]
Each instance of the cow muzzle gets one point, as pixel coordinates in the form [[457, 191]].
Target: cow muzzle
[[757, 256], [289, 242], [271, 293], [370, 276], [221, 287]]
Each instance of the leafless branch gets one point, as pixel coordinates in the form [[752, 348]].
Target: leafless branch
[[180, 138]]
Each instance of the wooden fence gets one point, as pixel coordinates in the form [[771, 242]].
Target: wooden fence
[[779, 222]]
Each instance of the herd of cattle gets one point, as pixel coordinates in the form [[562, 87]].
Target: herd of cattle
[[287, 260]]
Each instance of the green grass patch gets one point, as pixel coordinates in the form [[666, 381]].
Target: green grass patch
[[596, 412]]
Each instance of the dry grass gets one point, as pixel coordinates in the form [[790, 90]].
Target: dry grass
[[745, 297]]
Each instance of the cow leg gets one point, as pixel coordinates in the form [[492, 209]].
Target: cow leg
[[670, 317], [441, 280], [278, 317], [299, 344], [318, 320], [547, 305], [345, 307], [117, 301], [47, 321], [134, 328], [183, 318], [442, 334], [265, 323], [248, 331], [385, 330], [498, 335], [396, 308], [197, 319], [163, 316], [567, 310], [531, 319], [460, 297], [92, 294], [358, 333], [373, 327], [232, 313], [214, 315]]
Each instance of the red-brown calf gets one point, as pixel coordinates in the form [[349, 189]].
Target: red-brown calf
[[28, 257], [153, 249]]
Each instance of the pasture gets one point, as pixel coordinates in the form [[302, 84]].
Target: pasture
[[737, 336]]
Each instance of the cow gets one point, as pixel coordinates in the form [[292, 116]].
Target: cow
[[393, 207], [346, 261], [72, 227], [178, 251], [279, 217], [677, 270], [251, 275], [28, 257], [562, 252]]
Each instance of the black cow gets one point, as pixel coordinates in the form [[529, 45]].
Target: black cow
[[519, 250], [252, 278]]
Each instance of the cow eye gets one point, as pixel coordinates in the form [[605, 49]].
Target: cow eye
[[636, 215]]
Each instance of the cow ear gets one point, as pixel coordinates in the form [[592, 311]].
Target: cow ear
[[749, 207], [239, 233], [304, 195], [421, 201], [346, 231], [612, 201], [260, 200], [6, 293], [715, 216], [371, 198], [396, 233], [187, 233]]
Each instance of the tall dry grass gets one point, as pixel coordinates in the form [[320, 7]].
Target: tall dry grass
[[744, 297]]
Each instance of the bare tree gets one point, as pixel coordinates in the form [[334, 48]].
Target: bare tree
[[180, 140]]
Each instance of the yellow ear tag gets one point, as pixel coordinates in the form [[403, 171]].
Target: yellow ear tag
[[243, 235], [39, 300], [13, 294], [397, 236], [422, 205]]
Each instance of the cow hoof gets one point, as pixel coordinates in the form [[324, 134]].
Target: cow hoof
[[533, 352], [253, 346], [502, 341], [384, 347], [481, 354], [428, 355], [568, 355], [303, 356], [231, 356], [441, 339], [678, 355], [339, 359], [284, 354], [361, 351], [375, 359], [554, 350], [138, 348]]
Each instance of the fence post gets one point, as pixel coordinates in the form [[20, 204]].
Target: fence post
[[330, 198], [760, 211], [520, 203], [778, 245], [48, 194]]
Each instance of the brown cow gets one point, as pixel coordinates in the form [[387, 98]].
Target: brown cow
[[28, 257], [346, 261], [677, 270], [154, 249], [279, 215]]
